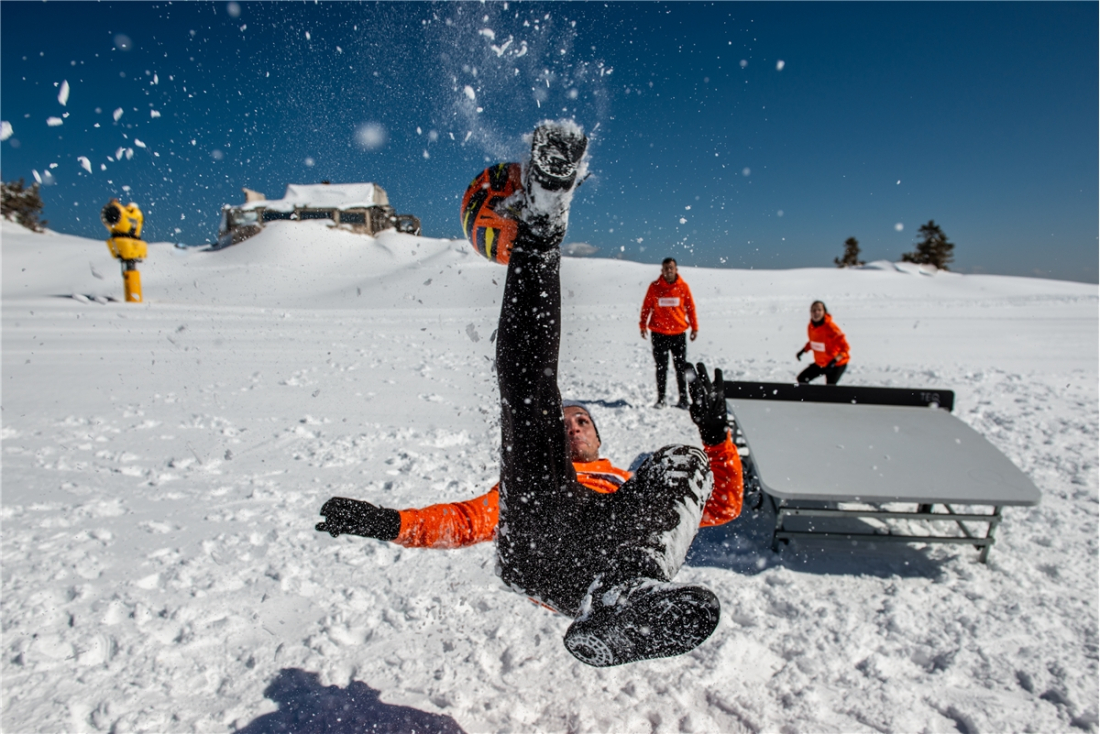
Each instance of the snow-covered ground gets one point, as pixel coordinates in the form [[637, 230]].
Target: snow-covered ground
[[163, 464]]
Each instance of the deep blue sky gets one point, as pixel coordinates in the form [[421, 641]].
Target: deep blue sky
[[981, 116]]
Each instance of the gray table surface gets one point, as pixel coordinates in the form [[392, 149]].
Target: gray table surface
[[875, 454]]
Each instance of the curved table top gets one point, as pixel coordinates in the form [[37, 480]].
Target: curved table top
[[836, 452]]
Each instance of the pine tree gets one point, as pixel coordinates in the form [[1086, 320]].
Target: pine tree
[[851, 254], [933, 248], [22, 205]]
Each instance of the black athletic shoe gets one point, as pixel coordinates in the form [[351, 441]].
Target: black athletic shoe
[[556, 149], [652, 620], [683, 404]]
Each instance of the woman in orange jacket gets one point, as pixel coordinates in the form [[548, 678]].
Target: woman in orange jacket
[[829, 345]]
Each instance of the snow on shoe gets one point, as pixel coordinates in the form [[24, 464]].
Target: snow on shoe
[[557, 155], [650, 619]]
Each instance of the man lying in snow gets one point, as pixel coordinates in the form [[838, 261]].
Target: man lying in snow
[[572, 531]]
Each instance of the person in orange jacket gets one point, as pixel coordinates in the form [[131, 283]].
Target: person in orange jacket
[[829, 345], [466, 523], [572, 531], [668, 310]]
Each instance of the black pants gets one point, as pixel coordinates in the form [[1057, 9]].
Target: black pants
[[662, 345], [556, 538], [832, 374]]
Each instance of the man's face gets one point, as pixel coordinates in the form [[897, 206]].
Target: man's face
[[584, 444], [668, 272]]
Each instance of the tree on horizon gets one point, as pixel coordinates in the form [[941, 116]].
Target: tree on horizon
[[851, 254], [932, 249], [22, 205]]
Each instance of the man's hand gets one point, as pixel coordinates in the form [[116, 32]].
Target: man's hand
[[799, 355], [832, 363], [694, 333], [353, 517], [708, 404], [643, 332]]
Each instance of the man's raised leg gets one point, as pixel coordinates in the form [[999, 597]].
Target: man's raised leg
[[540, 497]]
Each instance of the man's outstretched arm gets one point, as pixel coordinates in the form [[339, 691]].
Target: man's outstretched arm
[[708, 411], [447, 525]]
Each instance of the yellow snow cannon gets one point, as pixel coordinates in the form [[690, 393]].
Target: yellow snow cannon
[[124, 224]]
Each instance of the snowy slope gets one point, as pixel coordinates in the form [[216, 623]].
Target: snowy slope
[[163, 464]]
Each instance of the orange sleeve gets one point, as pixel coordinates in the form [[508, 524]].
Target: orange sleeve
[[648, 304], [689, 307], [729, 485], [838, 345], [451, 525]]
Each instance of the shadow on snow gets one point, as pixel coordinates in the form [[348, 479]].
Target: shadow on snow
[[745, 546], [307, 707]]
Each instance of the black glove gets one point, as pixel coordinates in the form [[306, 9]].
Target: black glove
[[359, 518], [708, 405], [799, 355], [832, 363]]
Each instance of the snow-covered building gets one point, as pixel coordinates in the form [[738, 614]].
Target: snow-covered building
[[361, 207]]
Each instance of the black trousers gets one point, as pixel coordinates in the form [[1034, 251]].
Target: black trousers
[[832, 374], [556, 538], [662, 345]]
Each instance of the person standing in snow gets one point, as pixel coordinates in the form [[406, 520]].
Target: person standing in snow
[[573, 532], [829, 345], [668, 310]]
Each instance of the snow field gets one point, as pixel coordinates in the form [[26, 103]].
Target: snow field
[[163, 464]]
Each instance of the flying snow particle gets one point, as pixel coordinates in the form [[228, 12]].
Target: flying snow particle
[[117, 114], [899, 226], [370, 136], [103, 166], [217, 154], [746, 171], [156, 80], [688, 207], [683, 221], [488, 33], [433, 136], [779, 213], [780, 64], [36, 176], [138, 143], [309, 162], [307, 36], [470, 95], [129, 153], [234, 10], [899, 182], [54, 121], [5, 130], [123, 42], [154, 114], [118, 154], [744, 63], [63, 95], [426, 155], [84, 163]]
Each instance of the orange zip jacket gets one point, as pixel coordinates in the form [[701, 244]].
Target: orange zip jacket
[[459, 524], [668, 307], [827, 341]]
